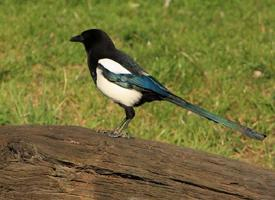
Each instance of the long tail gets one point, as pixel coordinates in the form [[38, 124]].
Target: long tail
[[204, 113]]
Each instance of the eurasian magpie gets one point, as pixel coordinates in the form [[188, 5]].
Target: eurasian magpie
[[120, 78]]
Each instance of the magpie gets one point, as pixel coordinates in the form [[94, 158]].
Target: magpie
[[120, 78]]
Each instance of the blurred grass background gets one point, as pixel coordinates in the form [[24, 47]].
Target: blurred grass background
[[217, 54]]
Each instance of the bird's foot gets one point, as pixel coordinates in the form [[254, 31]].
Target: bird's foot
[[101, 131], [117, 134]]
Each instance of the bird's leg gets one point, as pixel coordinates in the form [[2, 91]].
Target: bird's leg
[[119, 131]]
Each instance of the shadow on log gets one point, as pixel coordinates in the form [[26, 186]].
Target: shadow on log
[[58, 162]]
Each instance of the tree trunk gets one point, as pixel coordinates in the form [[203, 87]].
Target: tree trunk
[[59, 162]]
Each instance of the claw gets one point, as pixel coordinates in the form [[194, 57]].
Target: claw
[[117, 134]]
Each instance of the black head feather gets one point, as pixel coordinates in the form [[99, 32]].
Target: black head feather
[[95, 40]]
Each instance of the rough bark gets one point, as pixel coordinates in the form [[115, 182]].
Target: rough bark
[[58, 162]]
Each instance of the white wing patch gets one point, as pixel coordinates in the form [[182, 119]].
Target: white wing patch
[[113, 66], [128, 97]]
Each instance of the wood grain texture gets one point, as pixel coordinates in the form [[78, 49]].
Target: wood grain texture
[[58, 162]]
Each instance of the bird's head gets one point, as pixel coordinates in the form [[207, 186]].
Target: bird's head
[[94, 40]]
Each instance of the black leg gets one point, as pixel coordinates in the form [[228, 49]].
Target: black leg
[[130, 114]]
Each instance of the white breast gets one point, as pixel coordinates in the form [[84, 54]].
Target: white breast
[[118, 94]]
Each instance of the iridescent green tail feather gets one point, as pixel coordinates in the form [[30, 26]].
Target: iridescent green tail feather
[[210, 116]]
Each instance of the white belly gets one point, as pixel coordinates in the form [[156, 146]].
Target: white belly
[[128, 97]]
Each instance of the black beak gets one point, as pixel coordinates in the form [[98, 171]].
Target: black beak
[[78, 38]]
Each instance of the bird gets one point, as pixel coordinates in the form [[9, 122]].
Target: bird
[[127, 84]]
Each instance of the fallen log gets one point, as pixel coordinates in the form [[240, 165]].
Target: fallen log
[[65, 162]]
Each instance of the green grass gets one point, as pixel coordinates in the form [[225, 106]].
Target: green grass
[[208, 52]]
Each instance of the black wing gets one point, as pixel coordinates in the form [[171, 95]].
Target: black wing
[[127, 62]]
